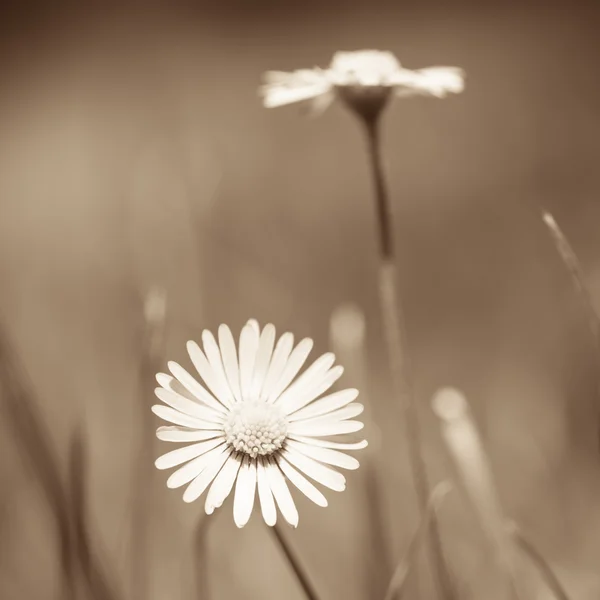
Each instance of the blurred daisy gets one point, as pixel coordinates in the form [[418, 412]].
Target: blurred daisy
[[357, 75], [254, 424]]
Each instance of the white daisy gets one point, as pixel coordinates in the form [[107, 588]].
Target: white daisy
[[256, 424], [358, 74]]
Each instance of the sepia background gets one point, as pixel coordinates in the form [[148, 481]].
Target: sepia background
[[135, 153]]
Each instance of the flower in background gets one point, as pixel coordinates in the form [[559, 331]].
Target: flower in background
[[358, 75], [255, 424]]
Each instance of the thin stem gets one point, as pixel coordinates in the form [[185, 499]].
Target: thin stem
[[301, 575], [399, 578], [33, 438], [545, 570], [395, 337], [142, 503], [572, 264]]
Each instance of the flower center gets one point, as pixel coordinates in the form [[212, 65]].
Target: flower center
[[255, 428]]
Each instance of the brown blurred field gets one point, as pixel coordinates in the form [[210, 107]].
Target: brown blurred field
[[135, 152]]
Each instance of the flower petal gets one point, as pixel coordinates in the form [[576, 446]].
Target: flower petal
[[166, 413], [170, 383], [202, 481], [223, 484], [329, 444], [325, 428], [347, 412], [282, 493], [326, 455], [218, 387], [305, 394], [267, 502], [194, 388], [180, 434], [245, 491], [192, 469], [294, 364], [278, 362], [283, 88], [303, 484], [187, 453], [263, 359], [188, 407], [249, 339], [320, 473], [230, 361], [325, 405]]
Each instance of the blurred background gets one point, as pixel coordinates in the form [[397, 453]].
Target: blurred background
[[134, 153]]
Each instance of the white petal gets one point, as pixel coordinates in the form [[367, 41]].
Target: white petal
[[179, 434], [254, 323], [215, 360], [320, 104], [263, 359], [170, 383], [217, 386], [303, 484], [188, 407], [198, 485], [320, 473], [347, 412], [267, 503], [197, 390], [223, 484], [294, 364], [280, 95], [230, 361], [166, 413], [249, 338], [187, 453], [326, 455], [325, 405], [282, 494], [245, 491], [278, 362], [325, 428], [306, 394], [192, 469], [328, 444]]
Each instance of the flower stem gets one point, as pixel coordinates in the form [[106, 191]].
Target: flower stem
[[395, 336], [301, 575]]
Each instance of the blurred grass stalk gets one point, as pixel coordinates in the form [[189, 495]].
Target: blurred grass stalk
[[155, 308], [347, 332], [396, 587], [78, 562], [34, 441], [572, 264], [461, 436]]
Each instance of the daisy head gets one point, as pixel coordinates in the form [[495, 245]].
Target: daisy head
[[365, 80], [254, 424]]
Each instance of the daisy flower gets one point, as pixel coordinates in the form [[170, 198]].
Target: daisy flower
[[254, 424], [354, 76]]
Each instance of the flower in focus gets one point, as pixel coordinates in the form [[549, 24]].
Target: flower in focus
[[254, 424], [358, 75]]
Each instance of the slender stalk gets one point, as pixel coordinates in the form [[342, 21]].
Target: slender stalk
[[395, 337], [154, 314], [33, 439], [544, 568], [301, 575], [572, 264], [396, 586]]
